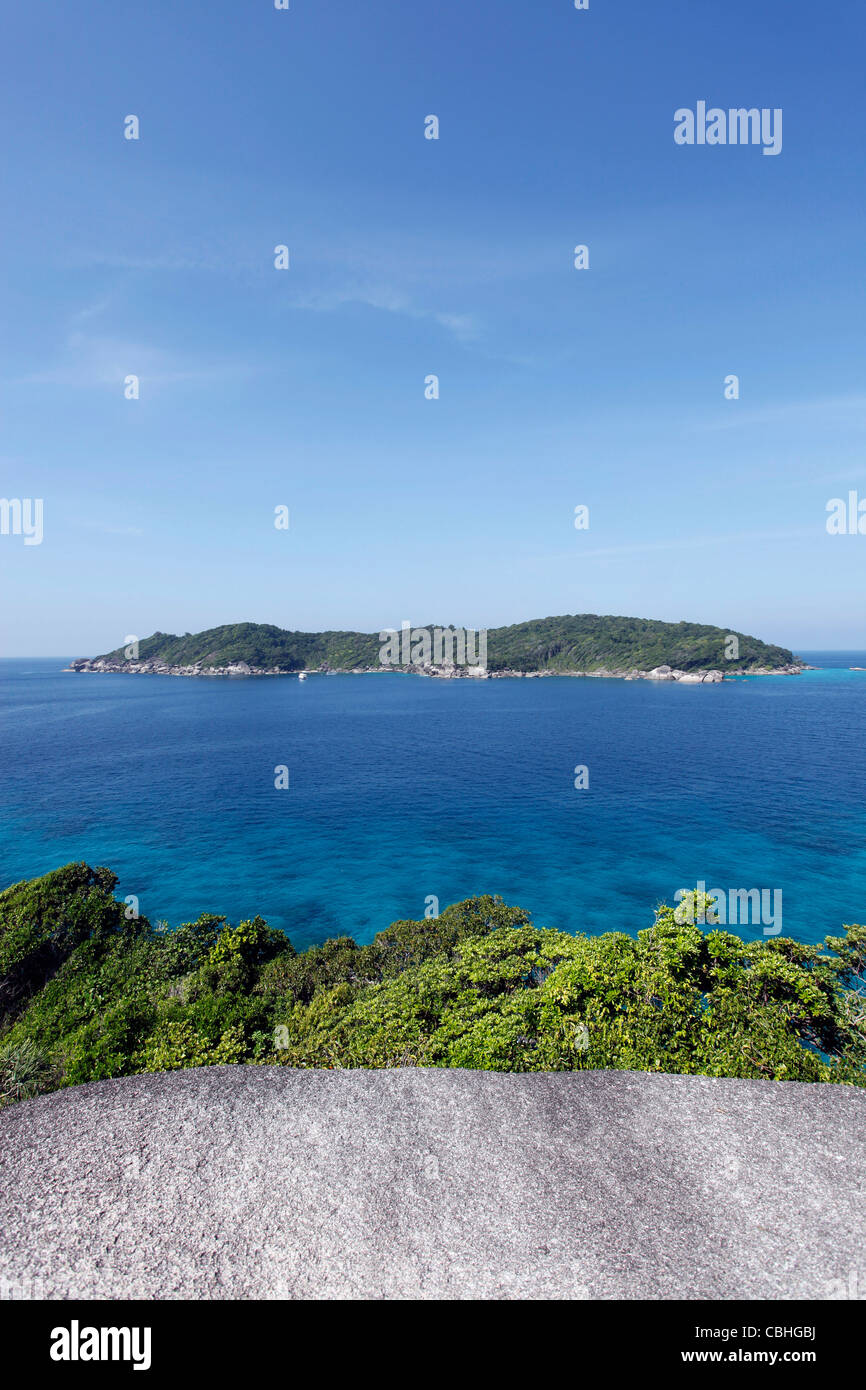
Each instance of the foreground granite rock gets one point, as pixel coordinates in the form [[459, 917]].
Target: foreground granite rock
[[261, 1182]]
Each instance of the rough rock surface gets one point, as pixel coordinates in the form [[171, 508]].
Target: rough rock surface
[[263, 1182]]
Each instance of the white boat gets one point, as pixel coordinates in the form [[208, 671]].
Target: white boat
[[302, 675]]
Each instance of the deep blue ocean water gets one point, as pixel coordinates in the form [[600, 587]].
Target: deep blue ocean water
[[402, 787]]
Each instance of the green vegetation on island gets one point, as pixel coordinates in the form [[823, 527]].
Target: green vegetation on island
[[87, 993], [260, 645], [585, 642], [582, 642]]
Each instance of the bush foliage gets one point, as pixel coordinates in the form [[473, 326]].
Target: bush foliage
[[86, 993]]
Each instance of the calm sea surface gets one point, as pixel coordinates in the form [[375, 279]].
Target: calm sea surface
[[402, 787]]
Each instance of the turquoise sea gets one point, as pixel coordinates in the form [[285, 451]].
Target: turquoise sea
[[403, 788]]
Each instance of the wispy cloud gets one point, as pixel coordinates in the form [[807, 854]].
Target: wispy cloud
[[91, 311], [390, 300], [95, 361], [210, 260]]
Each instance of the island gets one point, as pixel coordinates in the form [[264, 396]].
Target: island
[[572, 645]]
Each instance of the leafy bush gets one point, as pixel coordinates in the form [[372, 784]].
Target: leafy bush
[[94, 996], [42, 922]]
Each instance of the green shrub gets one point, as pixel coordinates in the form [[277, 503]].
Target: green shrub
[[43, 920], [91, 995]]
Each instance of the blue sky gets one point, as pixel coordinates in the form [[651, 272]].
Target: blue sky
[[412, 257]]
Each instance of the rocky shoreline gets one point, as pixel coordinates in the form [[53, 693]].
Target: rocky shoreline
[[105, 666]]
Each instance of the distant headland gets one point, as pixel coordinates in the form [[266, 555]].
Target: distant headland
[[573, 645]]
